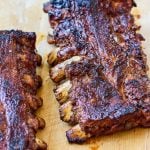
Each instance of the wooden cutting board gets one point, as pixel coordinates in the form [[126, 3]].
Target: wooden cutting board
[[27, 15]]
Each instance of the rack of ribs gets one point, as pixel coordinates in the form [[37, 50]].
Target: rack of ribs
[[99, 67], [18, 88]]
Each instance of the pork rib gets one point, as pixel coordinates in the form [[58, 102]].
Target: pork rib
[[99, 66], [18, 87]]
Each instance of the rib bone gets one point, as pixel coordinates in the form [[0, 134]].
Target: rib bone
[[41, 145], [62, 92], [76, 134], [53, 56], [66, 113], [58, 72], [36, 123], [35, 102]]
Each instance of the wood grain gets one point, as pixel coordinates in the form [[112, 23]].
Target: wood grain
[[28, 15]]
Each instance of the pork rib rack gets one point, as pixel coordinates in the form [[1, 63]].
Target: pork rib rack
[[18, 87], [99, 67]]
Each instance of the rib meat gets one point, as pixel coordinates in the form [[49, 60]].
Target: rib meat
[[99, 67], [18, 88]]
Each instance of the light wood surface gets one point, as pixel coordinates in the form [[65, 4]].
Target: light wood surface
[[27, 15]]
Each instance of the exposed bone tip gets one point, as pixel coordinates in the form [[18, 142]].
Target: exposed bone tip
[[36, 123], [57, 73], [52, 57], [57, 76], [66, 113], [62, 92], [41, 144], [35, 102], [76, 135]]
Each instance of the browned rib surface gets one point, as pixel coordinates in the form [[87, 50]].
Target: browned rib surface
[[109, 89], [18, 88]]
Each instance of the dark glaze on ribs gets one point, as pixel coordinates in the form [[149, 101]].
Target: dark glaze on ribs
[[106, 87], [18, 88]]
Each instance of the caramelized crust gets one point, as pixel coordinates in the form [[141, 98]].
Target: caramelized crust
[[109, 89], [18, 88]]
